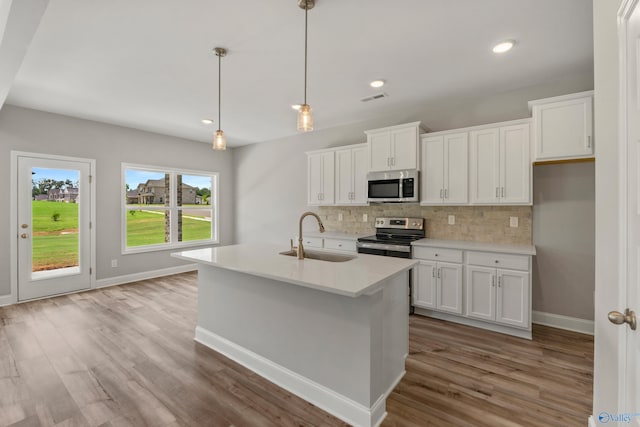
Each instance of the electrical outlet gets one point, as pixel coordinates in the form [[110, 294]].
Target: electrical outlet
[[340, 216], [114, 263], [513, 222], [452, 219], [365, 217]]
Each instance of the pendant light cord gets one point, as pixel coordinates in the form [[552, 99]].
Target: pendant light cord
[[219, 88], [306, 11]]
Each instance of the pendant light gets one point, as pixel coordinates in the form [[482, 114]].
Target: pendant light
[[219, 141], [305, 116]]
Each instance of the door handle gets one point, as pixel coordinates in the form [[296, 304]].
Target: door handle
[[24, 235], [24, 226], [618, 318]]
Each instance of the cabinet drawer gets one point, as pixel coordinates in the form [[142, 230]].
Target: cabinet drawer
[[437, 254], [311, 242], [340, 244], [489, 259]]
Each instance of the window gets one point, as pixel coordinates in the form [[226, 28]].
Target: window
[[167, 208]]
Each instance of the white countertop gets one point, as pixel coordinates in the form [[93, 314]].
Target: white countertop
[[359, 276], [477, 246]]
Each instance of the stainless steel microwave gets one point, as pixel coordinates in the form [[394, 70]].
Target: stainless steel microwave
[[394, 186]]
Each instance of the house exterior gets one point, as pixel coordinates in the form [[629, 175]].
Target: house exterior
[[66, 195], [154, 192]]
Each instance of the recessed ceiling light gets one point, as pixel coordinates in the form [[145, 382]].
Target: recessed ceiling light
[[207, 121], [377, 83], [504, 46], [296, 106]]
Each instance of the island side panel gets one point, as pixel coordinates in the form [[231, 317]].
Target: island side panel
[[324, 337]]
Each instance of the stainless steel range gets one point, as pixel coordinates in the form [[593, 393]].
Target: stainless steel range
[[393, 237]]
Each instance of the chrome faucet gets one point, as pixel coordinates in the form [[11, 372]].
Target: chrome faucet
[[321, 226]]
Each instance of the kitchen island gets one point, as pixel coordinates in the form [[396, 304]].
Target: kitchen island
[[333, 333]]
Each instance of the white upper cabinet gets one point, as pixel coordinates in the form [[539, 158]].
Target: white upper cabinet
[[563, 126], [394, 148], [351, 175], [320, 178], [500, 168], [445, 169]]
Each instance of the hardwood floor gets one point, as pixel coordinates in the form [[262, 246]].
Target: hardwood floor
[[125, 356]]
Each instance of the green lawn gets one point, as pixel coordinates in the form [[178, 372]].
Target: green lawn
[[55, 243]]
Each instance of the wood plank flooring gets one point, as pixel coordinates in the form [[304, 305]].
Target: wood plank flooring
[[125, 356]]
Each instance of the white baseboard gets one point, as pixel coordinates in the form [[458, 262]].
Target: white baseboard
[[563, 322], [128, 278], [592, 421], [7, 300], [340, 406]]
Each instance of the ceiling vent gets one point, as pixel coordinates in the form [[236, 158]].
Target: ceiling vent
[[374, 97]]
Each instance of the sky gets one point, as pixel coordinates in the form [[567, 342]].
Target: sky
[[57, 174]]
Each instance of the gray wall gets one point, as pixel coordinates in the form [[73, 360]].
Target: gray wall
[[564, 235], [39, 132], [271, 178]]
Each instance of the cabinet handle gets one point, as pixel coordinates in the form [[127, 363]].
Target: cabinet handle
[[393, 161], [499, 281], [441, 195], [433, 272], [439, 273], [493, 280], [497, 192], [388, 161], [446, 193], [321, 196], [318, 196], [589, 141], [502, 191]]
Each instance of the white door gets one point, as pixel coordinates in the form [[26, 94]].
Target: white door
[[424, 291], [481, 292], [328, 178], [403, 151], [617, 364], [485, 166], [515, 167], [314, 179], [359, 171], [456, 168], [432, 170], [631, 379], [344, 177], [449, 289], [379, 151], [512, 298], [53, 229]]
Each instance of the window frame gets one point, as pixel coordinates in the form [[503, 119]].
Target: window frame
[[173, 208]]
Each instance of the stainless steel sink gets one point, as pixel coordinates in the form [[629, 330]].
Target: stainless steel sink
[[321, 256]]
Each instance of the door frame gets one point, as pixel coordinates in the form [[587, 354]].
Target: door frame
[[13, 217]]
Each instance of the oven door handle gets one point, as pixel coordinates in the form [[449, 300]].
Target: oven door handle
[[396, 248]]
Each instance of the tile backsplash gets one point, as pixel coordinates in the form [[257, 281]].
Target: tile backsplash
[[472, 223]]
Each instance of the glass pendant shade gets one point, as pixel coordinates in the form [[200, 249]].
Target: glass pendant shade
[[219, 141], [305, 118]]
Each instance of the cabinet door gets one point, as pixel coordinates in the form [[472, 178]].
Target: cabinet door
[[449, 287], [379, 151], [404, 149], [481, 292], [359, 171], [314, 179], [564, 129], [456, 168], [485, 166], [328, 178], [515, 167], [432, 183], [513, 298], [344, 177], [424, 285]]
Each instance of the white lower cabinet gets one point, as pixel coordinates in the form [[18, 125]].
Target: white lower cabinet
[[498, 295], [495, 288]]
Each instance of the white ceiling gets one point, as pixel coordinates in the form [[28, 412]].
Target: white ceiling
[[148, 64]]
